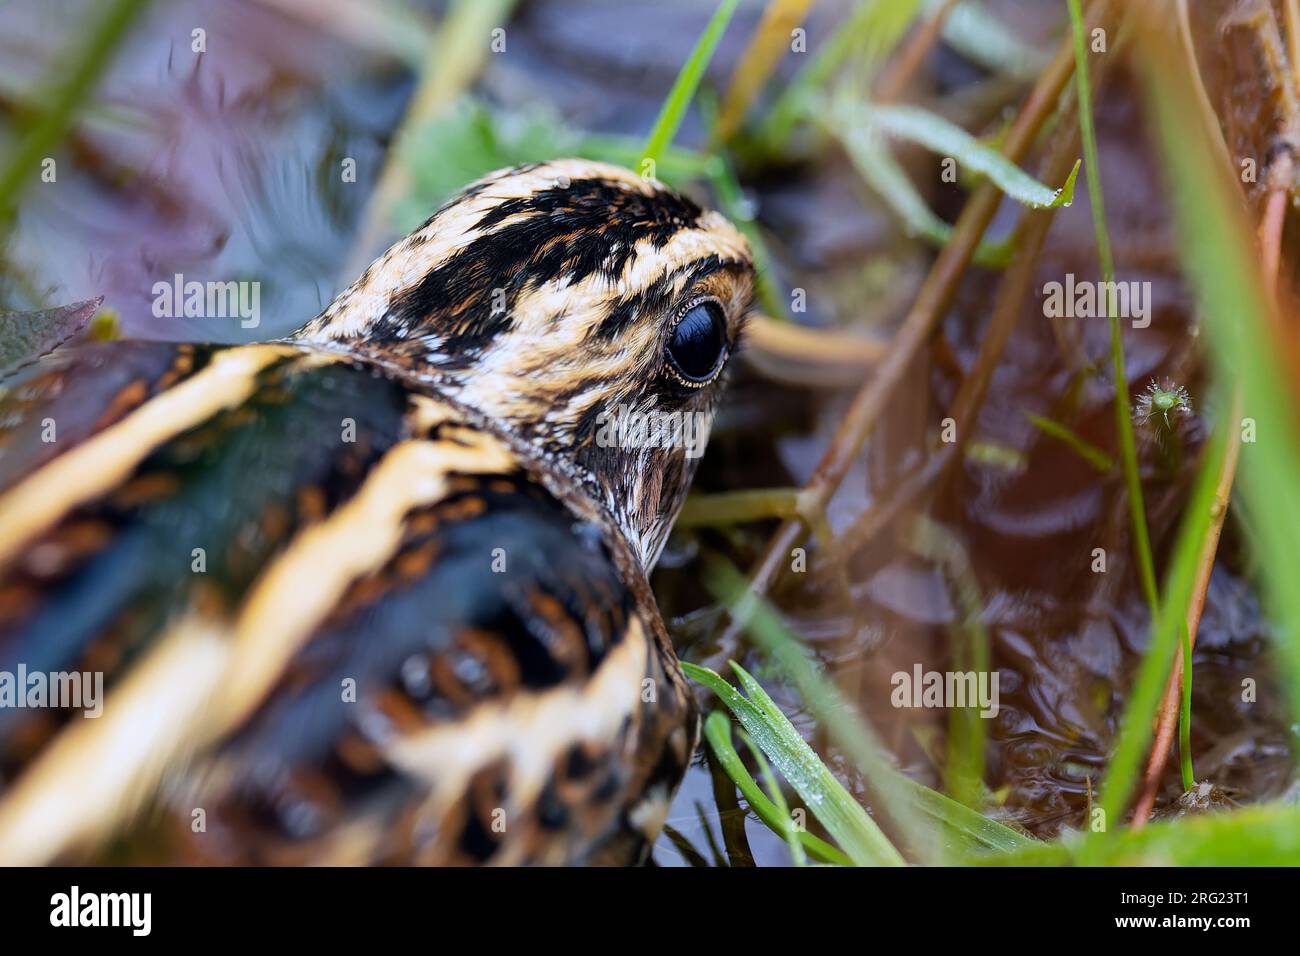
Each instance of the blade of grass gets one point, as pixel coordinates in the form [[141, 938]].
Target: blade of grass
[[717, 730], [983, 39], [770, 42], [844, 725], [737, 507], [740, 212], [1084, 448], [787, 828], [964, 771], [852, 735], [1185, 714], [872, 30], [75, 79], [1264, 835], [1218, 253], [1136, 726], [701, 815], [940, 136], [857, 834], [688, 80], [1123, 414], [683, 846], [456, 55], [887, 180], [1175, 705]]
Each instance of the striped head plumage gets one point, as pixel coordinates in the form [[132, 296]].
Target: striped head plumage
[[583, 309]]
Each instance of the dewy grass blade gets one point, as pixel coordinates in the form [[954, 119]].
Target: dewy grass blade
[[717, 730], [688, 80], [841, 721], [940, 136], [886, 178], [984, 39], [844, 818], [906, 801], [787, 827]]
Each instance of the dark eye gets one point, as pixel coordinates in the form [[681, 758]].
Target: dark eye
[[698, 344]]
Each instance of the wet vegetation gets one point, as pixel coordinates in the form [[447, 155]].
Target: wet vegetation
[[938, 454]]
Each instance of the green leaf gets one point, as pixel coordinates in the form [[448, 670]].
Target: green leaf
[[467, 141], [1263, 835], [688, 80], [1185, 715], [1085, 449], [26, 336], [960, 826], [717, 730], [969, 829], [865, 38], [844, 818], [787, 828], [983, 39], [1123, 414], [1135, 729], [1218, 250], [942, 137], [939, 135], [887, 180]]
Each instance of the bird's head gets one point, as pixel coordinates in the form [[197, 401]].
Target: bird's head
[[585, 309]]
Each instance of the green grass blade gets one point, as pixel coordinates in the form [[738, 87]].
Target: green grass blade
[[1185, 715], [688, 80], [74, 80], [841, 721], [738, 211], [984, 39], [785, 821], [1264, 835], [1136, 726], [869, 33], [940, 136], [886, 179], [844, 818], [966, 830], [1218, 252], [965, 765], [717, 730], [1123, 414], [1084, 448], [960, 826]]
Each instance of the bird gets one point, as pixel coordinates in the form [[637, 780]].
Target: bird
[[376, 592]]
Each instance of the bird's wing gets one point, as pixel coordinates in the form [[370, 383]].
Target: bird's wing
[[332, 621]]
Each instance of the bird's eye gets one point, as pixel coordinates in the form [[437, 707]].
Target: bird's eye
[[698, 345]]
